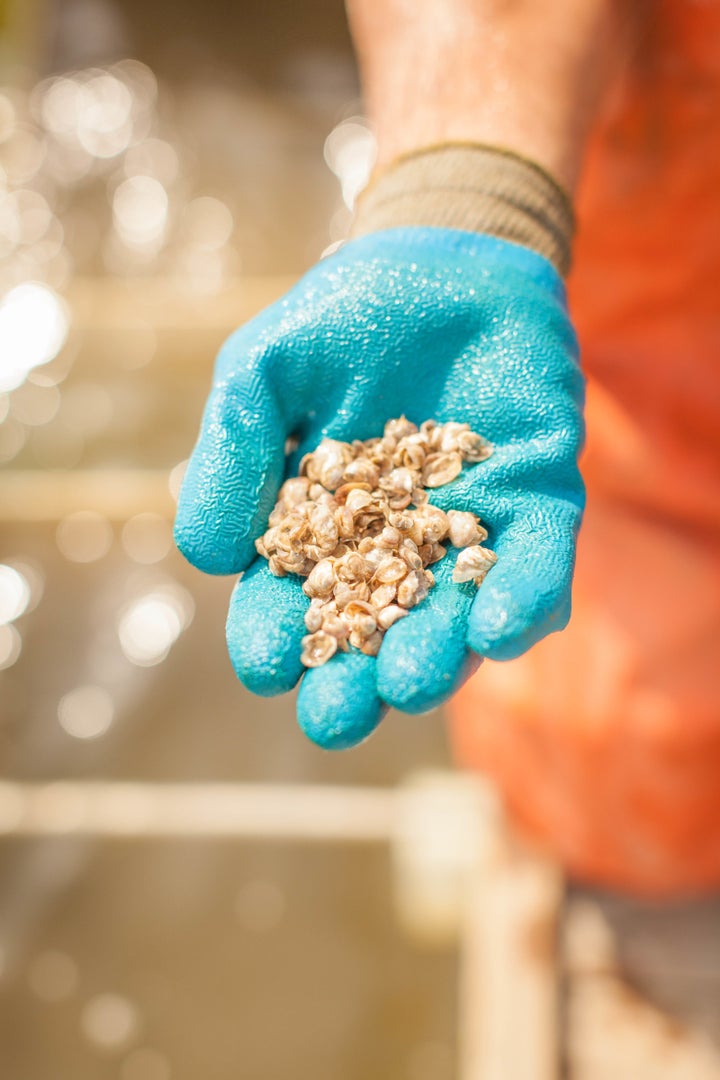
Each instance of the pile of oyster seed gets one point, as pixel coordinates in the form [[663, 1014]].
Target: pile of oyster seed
[[357, 524]]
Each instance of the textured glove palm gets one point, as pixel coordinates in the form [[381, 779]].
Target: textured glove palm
[[432, 323]]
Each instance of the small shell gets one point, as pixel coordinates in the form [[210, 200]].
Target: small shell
[[376, 557], [276, 567], [353, 485], [412, 558], [328, 462], [398, 429], [313, 619], [441, 469], [390, 615], [357, 500], [399, 502], [435, 437], [438, 552], [399, 482], [352, 567], [294, 491], [326, 498], [343, 593], [412, 590], [410, 457], [382, 596], [317, 492], [434, 522], [450, 434], [390, 570], [294, 562], [417, 533], [431, 553], [323, 530], [371, 645], [357, 609], [402, 521], [369, 524], [363, 471], [320, 580], [472, 564], [362, 625], [345, 521], [318, 648], [270, 539], [389, 538], [464, 529], [294, 531], [336, 626], [473, 447]]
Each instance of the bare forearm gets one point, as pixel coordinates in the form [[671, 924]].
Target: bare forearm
[[524, 74]]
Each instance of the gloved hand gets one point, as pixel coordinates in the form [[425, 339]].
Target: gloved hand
[[433, 323]]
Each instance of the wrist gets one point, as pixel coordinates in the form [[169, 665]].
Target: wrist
[[481, 189]]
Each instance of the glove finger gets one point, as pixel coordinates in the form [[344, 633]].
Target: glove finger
[[424, 658], [232, 478], [265, 628], [526, 595], [338, 704]]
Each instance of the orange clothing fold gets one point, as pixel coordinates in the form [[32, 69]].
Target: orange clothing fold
[[605, 739]]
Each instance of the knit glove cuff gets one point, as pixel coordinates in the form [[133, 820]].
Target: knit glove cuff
[[483, 189]]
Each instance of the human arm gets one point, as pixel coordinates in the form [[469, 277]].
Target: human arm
[[433, 322], [527, 75]]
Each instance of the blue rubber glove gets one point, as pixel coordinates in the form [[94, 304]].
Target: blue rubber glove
[[433, 323]]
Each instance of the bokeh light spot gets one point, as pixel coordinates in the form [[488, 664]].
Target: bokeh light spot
[[36, 403], [350, 151], [175, 478], [140, 209], [147, 538], [207, 222], [84, 536], [86, 712], [15, 594], [149, 627], [7, 117], [10, 646], [110, 1021], [34, 325]]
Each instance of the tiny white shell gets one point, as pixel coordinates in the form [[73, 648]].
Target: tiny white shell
[[318, 648], [473, 563]]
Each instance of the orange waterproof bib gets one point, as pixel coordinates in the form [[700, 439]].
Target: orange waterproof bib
[[605, 739]]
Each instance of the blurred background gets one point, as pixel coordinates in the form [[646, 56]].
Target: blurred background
[[166, 170]]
